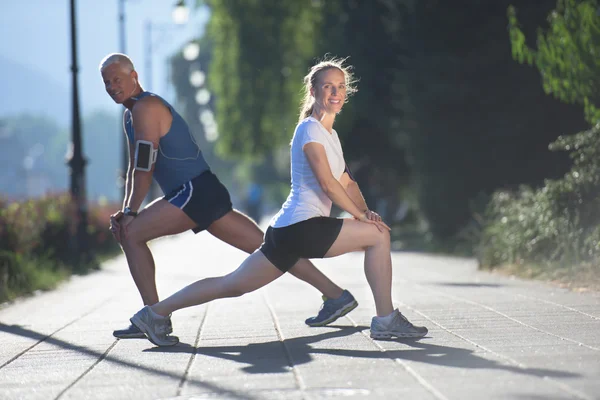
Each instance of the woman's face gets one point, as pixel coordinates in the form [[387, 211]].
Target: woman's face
[[330, 90]]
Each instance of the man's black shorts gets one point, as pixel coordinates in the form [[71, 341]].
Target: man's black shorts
[[312, 238], [204, 199]]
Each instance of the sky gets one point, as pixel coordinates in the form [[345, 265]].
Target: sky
[[36, 39]]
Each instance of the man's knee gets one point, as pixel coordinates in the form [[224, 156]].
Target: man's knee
[[238, 230], [134, 234]]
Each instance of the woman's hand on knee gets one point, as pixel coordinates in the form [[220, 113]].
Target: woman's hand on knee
[[372, 215], [373, 218]]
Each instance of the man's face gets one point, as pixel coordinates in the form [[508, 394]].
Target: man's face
[[119, 83]]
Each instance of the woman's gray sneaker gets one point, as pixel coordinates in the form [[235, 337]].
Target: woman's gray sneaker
[[399, 327], [154, 326], [133, 332], [333, 309]]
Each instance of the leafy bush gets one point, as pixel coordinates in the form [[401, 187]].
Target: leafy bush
[[35, 239], [556, 224]]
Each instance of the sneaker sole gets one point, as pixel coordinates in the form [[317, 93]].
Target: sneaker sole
[[139, 335], [144, 328], [347, 308], [389, 335]]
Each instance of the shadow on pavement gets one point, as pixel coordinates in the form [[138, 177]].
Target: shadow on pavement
[[465, 358], [20, 331], [530, 396], [469, 284], [267, 357], [260, 356]]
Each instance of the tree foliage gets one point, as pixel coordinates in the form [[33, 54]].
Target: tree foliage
[[372, 125], [33, 152], [478, 120], [441, 106], [557, 224], [261, 48], [567, 53], [32, 148]]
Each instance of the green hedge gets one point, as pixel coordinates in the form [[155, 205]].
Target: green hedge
[[35, 239], [555, 225]]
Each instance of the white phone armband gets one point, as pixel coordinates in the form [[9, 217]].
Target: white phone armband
[[145, 155]]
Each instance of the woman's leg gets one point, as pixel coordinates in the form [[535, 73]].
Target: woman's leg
[[356, 235], [255, 272], [241, 232]]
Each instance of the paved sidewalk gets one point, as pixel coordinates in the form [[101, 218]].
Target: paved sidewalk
[[490, 337]]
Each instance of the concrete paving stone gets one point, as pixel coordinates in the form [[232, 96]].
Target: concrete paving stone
[[257, 346]]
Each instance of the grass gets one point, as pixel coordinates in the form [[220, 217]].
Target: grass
[[581, 278], [23, 275], [577, 277]]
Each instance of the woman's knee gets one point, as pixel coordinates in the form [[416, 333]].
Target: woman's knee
[[381, 238]]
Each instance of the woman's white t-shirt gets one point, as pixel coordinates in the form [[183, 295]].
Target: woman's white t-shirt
[[307, 199]]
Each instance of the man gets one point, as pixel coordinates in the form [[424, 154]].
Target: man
[[162, 147]]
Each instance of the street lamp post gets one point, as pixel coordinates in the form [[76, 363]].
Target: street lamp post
[[79, 244], [124, 153]]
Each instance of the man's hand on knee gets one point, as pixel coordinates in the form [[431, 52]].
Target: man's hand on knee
[[115, 226], [124, 223]]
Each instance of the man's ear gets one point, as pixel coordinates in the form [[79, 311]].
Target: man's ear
[[134, 75]]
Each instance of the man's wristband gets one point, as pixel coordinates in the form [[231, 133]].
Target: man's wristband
[[130, 212]]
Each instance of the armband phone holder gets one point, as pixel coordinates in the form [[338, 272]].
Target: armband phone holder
[[145, 155]]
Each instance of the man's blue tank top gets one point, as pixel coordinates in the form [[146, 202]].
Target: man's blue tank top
[[179, 157]]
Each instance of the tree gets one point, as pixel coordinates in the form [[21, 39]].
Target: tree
[[557, 224], [566, 54], [479, 121], [102, 153], [256, 70], [441, 104], [33, 156], [263, 50]]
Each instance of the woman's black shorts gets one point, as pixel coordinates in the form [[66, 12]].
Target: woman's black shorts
[[312, 238]]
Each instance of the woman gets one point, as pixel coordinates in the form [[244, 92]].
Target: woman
[[303, 228]]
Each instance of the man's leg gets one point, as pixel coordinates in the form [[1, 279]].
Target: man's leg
[[156, 220]]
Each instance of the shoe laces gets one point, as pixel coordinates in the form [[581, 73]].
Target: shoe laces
[[328, 305], [402, 320], [163, 327]]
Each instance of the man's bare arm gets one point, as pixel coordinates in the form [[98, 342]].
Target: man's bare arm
[[128, 174], [146, 125]]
